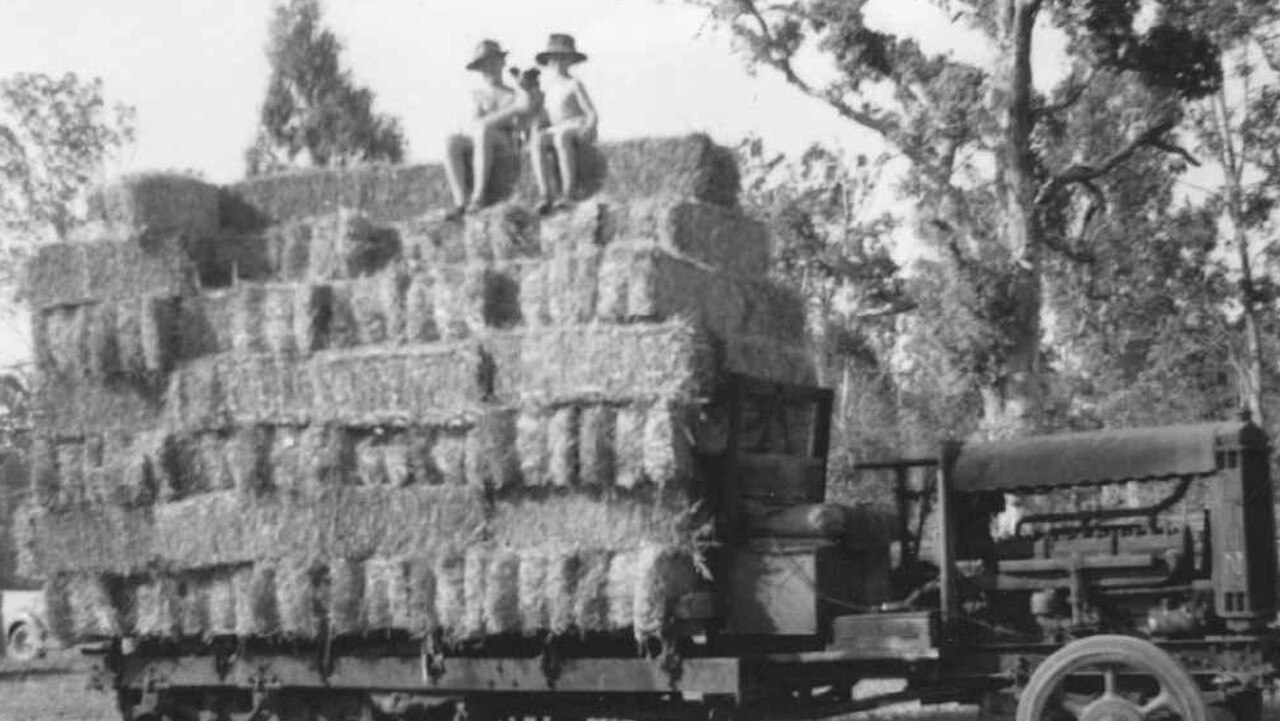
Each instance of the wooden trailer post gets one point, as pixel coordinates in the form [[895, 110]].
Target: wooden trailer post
[[947, 535]]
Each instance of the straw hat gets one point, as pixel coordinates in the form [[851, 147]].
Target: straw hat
[[560, 45], [485, 50]]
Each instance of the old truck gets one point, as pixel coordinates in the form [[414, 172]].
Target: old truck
[[1152, 604]]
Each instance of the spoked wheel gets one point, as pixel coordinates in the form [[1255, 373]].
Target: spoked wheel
[[1111, 678]]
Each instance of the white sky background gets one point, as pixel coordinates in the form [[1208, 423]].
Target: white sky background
[[196, 71]]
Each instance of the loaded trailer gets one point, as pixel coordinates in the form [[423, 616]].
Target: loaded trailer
[[1153, 596]]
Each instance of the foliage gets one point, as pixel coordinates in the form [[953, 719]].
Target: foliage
[[55, 134], [997, 172], [314, 113]]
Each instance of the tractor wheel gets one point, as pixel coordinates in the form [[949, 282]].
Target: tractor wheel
[[24, 642], [1111, 678]]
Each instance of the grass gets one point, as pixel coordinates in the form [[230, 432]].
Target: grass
[[54, 688]]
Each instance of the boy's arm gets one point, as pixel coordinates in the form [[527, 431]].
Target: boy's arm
[[584, 102], [516, 108]]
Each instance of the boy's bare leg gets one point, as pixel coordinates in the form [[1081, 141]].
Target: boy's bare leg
[[455, 165], [482, 164], [566, 152], [538, 144]]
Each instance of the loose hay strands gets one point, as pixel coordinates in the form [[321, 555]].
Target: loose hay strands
[[531, 594], [561, 584], [376, 607], [532, 447], [92, 607], [630, 446], [664, 574], [620, 584], [590, 594], [492, 461], [610, 521], [157, 608], [668, 445]]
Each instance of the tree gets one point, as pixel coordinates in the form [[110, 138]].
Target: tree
[[314, 113], [1236, 127], [55, 134], [996, 168]]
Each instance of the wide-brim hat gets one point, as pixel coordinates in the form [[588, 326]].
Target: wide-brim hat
[[560, 45], [485, 50]]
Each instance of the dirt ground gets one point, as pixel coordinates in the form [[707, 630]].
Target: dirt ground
[[56, 689]]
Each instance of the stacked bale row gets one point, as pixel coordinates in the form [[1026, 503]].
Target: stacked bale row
[[372, 419]]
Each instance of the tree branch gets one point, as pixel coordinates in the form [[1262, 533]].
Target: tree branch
[[1074, 92], [1082, 172]]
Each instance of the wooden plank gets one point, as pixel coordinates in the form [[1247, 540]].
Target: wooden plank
[[902, 636]]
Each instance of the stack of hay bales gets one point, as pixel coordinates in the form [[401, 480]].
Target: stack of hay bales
[[348, 415]]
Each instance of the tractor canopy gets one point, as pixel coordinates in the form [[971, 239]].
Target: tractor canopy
[[1106, 456]]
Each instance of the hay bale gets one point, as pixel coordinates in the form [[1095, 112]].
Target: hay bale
[[417, 615], [128, 334], [60, 338], [71, 406], [572, 281], [149, 205], [222, 605], [248, 457], [429, 241], [610, 521], [346, 596], [629, 446], [475, 577], [395, 458], [491, 457], [531, 594], [384, 192], [664, 575], [106, 339], [370, 467], [561, 584], [719, 237], [93, 609], [620, 588], [312, 313], [451, 592], [501, 232], [583, 228], [419, 310], [422, 465], [532, 447], [690, 166], [449, 454], [159, 336], [45, 480], [70, 463], [535, 291], [458, 299], [591, 591], [248, 317], [378, 307], [157, 607], [204, 324], [667, 445], [59, 609], [376, 609], [502, 594], [583, 363], [194, 613], [562, 446], [257, 612], [596, 438], [65, 274]]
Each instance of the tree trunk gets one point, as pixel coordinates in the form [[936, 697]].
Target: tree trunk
[[1013, 400], [1250, 367]]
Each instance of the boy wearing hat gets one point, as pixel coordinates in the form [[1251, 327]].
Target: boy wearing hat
[[498, 109], [571, 119]]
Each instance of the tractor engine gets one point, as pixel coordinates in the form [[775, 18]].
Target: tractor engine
[[1168, 532]]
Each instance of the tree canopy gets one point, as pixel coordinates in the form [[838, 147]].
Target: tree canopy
[[314, 113]]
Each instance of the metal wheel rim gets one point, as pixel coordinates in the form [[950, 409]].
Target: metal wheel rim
[[21, 643], [1112, 658]]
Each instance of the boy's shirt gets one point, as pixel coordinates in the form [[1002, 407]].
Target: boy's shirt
[[561, 100]]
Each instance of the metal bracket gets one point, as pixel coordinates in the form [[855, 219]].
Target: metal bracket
[[552, 663], [262, 686], [432, 660], [152, 684]]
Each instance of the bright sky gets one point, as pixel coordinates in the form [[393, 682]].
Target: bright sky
[[195, 69]]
